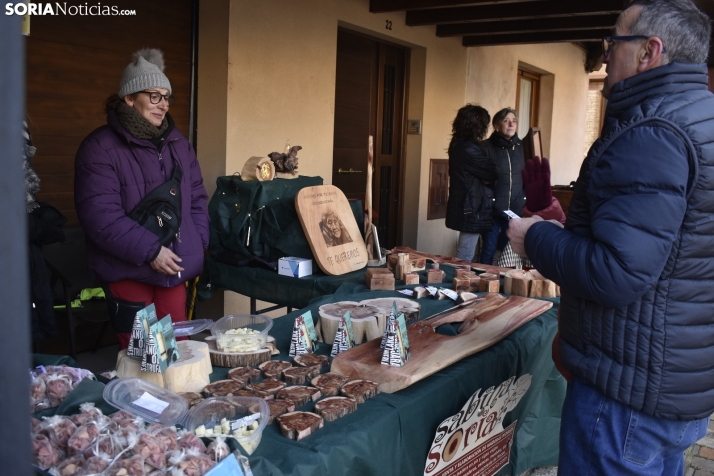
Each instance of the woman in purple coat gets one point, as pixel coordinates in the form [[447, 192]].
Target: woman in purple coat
[[116, 166]]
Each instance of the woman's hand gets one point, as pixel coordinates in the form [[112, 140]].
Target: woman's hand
[[167, 262]]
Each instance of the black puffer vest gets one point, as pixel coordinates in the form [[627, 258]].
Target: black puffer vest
[[636, 258]]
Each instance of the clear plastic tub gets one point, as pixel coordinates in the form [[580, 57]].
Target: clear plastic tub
[[189, 328], [211, 411], [144, 399], [241, 342]]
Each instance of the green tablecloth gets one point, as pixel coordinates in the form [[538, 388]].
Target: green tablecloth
[[392, 433]]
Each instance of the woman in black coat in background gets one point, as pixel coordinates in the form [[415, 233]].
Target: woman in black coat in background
[[472, 174]]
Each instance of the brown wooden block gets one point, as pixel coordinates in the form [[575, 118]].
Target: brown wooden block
[[381, 284], [392, 261], [373, 272], [401, 270], [434, 276], [461, 271], [418, 263], [411, 278], [461, 284], [474, 284], [403, 258], [489, 283]]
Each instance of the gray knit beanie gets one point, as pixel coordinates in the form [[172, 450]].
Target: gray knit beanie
[[144, 72]]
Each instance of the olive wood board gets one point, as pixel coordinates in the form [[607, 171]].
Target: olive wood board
[[484, 324], [331, 229]]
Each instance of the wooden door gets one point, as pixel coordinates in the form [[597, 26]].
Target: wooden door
[[369, 100]]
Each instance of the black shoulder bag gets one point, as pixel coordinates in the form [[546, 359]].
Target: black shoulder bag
[[160, 211]]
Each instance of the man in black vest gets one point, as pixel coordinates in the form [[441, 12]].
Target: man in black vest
[[635, 260]]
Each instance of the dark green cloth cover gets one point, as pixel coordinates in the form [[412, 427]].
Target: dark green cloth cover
[[267, 285], [258, 218], [392, 433]]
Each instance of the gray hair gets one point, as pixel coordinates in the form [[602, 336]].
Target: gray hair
[[684, 30], [501, 115]]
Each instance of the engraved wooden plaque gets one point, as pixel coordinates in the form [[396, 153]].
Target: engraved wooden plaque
[[331, 229]]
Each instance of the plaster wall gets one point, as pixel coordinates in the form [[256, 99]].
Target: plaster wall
[[491, 81], [281, 85], [269, 75]]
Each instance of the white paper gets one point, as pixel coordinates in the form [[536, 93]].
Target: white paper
[[510, 214], [408, 292], [449, 293], [151, 403], [432, 290], [245, 421]]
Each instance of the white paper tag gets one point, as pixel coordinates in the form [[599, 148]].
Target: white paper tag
[[432, 290], [510, 214], [408, 292], [151, 403], [449, 293], [245, 421]]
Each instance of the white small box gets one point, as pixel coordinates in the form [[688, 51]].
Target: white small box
[[295, 267]]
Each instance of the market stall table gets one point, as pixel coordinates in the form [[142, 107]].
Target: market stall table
[[392, 433]]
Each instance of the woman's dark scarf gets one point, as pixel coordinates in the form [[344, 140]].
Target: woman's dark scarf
[[137, 125]]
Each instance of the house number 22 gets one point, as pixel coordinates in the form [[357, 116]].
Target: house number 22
[[389, 24]]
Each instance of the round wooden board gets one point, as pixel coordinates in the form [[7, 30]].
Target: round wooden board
[[236, 359], [331, 229], [410, 308]]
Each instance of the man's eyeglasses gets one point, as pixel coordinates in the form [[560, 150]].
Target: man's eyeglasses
[[155, 97], [609, 41]]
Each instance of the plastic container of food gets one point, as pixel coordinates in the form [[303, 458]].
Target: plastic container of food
[[241, 332], [246, 416], [242, 418], [144, 399]]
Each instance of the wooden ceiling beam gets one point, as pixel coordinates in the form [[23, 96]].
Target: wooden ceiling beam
[[520, 11], [527, 26], [384, 6], [544, 37]]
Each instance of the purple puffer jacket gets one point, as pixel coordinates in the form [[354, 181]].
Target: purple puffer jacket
[[109, 183]]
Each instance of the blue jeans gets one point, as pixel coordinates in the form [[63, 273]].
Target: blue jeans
[[494, 239], [466, 246], [601, 437]]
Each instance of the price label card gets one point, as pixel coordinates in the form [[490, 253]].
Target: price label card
[[407, 292], [432, 290], [451, 294], [151, 403], [245, 421]]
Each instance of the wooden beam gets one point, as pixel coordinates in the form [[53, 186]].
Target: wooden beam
[[383, 6], [521, 11], [525, 26], [544, 37]]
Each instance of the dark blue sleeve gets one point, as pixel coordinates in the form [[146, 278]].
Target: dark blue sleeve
[[637, 199]]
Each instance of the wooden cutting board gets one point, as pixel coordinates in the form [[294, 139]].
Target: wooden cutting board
[[331, 229], [484, 324]]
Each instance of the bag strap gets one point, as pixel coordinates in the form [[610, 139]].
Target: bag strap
[[178, 171]]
